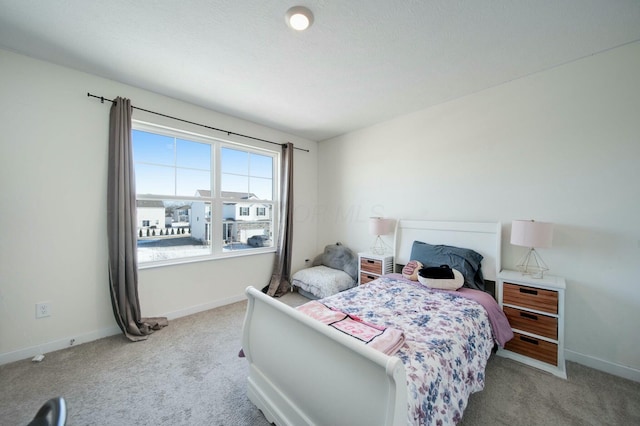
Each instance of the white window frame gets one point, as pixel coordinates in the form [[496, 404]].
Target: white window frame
[[216, 200]]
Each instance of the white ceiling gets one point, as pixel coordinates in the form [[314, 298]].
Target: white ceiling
[[362, 61]]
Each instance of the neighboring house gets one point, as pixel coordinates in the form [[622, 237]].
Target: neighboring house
[[200, 218], [150, 214], [241, 220], [181, 214], [153, 214]]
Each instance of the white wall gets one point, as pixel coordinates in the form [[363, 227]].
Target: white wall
[[53, 169], [561, 146]]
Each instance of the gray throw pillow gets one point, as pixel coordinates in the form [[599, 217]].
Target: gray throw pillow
[[339, 257]]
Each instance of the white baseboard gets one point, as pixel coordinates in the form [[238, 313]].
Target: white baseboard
[[56, 345], [602, 365], [205, 307], [64, 343]]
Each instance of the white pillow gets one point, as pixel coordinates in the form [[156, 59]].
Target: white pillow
[[444, 284]]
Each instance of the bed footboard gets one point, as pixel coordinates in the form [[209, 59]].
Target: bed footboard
[[302, 372]]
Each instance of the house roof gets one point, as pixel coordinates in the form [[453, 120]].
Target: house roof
[[149, 203], [228, 194], [360, 63]]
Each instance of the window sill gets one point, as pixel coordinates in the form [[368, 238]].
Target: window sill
[[226, 255]]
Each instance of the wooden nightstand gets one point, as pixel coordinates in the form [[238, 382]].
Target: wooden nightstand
[[535, 309], [372, 266]]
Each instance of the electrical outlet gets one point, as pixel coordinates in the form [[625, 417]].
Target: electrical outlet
[[43, 309]]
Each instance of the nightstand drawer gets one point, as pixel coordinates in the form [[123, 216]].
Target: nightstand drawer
[[539, 324], [534, 348], [530, 297], [365, 278], [371, 265]]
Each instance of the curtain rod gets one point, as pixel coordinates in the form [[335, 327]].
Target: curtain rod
[[102, 99]]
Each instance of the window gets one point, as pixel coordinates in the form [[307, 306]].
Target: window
[[260, 211], [197, 193]]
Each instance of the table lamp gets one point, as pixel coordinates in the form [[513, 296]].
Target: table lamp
[[532, 234], [380, 226]]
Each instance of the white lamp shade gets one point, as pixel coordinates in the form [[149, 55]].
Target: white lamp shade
[[380, 226], [529, 233]]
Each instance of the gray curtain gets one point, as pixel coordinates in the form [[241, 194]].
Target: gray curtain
[[281, 275], [121, 228]]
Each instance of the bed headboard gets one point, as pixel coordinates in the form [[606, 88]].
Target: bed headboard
[[483, 237]]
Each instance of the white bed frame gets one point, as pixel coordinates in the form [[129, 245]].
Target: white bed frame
[[302, 372]]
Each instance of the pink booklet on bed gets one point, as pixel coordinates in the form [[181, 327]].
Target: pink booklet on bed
[[385, 339]]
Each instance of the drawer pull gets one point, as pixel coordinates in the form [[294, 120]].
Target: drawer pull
[[371, 261], [528, 291], [528, 340], [371, 277], [528, 315]]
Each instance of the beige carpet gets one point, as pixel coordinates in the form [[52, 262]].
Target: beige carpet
[[189, 374]]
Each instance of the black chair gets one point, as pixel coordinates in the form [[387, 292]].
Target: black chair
[[52, 413]]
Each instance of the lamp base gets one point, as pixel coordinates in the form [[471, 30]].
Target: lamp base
[[379, 246], [532, 264]]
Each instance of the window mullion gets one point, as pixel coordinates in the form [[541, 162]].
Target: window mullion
[[175, 165], [216, 215]]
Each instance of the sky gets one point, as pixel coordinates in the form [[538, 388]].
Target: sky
[[165, 165]]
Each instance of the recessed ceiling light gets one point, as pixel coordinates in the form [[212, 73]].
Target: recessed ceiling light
[[299, 18]]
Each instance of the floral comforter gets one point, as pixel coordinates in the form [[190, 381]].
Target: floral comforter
[[448, 340]]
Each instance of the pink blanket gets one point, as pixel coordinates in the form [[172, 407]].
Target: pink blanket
[[499, 323], [384, 339]]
